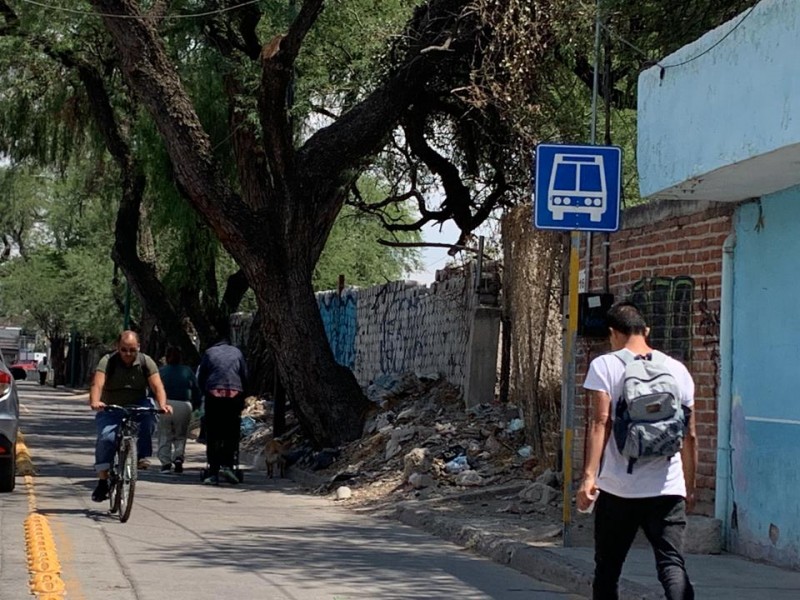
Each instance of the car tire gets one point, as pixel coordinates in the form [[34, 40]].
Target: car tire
[[8, 473]]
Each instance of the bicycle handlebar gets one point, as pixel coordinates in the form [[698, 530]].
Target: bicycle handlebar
[[134, 409]]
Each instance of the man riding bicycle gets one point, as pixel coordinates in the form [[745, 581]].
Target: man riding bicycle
[[123, 377]]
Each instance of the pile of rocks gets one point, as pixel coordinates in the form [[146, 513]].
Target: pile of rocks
[[421, 442]]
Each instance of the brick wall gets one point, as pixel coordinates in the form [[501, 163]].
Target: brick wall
[[668, 259]]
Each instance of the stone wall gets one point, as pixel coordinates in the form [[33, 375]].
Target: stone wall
[[338, 311], [395, 328], [407, 327]]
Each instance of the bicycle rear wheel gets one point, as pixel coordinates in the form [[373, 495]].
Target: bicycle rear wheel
[[127, 478]]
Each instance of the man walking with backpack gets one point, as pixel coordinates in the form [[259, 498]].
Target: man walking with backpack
[[642, 433]]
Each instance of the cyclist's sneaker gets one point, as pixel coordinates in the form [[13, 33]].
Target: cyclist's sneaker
[[178, 465], [100, 493], [143, 463], [228, 474], [213, 480], [166, 469]]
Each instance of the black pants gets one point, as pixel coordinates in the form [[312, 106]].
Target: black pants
[[223, 420], [42, 377], [663, 520]]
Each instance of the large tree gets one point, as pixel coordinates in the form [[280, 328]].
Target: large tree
[[275, 218]]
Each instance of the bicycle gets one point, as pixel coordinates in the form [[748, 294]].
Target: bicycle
[[123, 471]]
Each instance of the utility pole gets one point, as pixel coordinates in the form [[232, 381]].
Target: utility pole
[[571, 337]]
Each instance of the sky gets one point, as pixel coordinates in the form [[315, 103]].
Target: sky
[[435, 258]]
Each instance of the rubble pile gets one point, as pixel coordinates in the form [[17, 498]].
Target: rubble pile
[[421, 442]]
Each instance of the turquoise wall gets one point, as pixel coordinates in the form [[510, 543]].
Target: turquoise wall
[[765, 432], [732, 95]]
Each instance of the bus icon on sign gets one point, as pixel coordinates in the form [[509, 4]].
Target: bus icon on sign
[[577, 185]]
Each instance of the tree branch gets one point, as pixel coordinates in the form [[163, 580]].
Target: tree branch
[[455, 247]]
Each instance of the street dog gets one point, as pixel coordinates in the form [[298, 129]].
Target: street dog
[[275, 457]]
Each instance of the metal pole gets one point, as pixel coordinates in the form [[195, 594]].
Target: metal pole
[[568, 398], [126, 322], [479, 277], [570, 340], [593, 125]]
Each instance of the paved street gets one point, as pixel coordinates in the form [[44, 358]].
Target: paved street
[[188, 541]]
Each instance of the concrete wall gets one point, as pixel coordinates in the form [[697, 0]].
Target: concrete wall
[[339, 318], [402, 327], [406, 327], [724, 125], [765, 428]]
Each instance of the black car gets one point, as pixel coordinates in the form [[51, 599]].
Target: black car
[[9, 426]]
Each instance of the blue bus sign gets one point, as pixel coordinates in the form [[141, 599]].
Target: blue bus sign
[[577, 188]]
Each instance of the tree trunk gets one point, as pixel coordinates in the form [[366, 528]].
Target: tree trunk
[[57, 359], [326, 397]]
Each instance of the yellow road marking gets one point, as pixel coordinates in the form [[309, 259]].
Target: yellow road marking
[[43, 564]]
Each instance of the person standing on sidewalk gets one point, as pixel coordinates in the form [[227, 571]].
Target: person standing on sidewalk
[[222, 376], [123, 378], [43, 368], [653, 494], [183, 395]]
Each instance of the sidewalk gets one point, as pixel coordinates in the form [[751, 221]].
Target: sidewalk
[[531, 544]]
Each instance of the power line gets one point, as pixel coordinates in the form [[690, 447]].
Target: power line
[[710, 48], [88, 13], [664, 67]]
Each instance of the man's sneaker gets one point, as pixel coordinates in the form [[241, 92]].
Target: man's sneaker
[[178, 465], [143, 464], [100, 493], [213, 480], [228, 474], [166, 469]]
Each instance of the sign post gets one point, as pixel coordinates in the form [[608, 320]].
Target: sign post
[[577, 188]]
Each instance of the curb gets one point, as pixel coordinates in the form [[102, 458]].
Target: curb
[[574, 575]]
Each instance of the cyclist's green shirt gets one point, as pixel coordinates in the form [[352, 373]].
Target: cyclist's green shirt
[[125, 385]]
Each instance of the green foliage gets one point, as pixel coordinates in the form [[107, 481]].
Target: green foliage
[[59, 292], [352, 250]]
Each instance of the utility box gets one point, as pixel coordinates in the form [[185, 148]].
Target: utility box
[[592, 310]]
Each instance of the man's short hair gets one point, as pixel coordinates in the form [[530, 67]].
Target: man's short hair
[[128, 335], [626, 318]]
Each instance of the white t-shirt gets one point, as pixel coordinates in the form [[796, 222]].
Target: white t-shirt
[[651, 477]]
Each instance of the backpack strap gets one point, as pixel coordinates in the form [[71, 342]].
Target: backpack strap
[[625, 355]]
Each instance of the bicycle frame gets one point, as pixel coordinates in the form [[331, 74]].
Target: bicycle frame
[[123, 472]]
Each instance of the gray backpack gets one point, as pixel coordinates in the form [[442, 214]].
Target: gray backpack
[[648, 421]]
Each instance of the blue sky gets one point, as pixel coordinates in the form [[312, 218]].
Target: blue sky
[[435, 258]]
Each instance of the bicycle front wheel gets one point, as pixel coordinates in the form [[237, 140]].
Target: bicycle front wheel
[[115, 481], [127, 477]]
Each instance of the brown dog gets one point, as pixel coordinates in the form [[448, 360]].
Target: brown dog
[[275, 456]]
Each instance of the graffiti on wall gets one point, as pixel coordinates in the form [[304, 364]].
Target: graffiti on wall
[[339, 317], [666, 304]]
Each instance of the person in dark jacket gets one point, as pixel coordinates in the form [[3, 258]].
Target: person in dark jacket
[[183, 395], [222, 376]]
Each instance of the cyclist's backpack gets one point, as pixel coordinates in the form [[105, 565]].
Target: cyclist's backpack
[[649, 421]]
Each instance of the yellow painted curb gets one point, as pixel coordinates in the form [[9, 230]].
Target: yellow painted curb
[[45, 570], [24, 462]]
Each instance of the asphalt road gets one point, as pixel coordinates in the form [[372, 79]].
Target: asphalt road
[[262, 539]]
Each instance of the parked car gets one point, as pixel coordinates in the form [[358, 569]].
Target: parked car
[[19, 370], [9, 426]]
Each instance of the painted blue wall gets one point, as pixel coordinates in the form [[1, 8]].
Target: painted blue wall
[[765, 432], [736, 97], [339, 317]]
